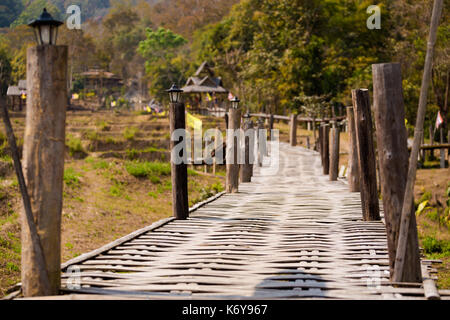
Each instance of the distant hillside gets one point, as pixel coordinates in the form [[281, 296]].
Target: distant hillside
[[17, 12]]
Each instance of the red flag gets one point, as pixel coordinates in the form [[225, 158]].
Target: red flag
[[439, 120]]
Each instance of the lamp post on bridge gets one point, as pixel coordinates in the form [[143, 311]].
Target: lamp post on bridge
[[178, 154], [43, 158]]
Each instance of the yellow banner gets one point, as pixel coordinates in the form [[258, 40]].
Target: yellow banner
[[193, 122]]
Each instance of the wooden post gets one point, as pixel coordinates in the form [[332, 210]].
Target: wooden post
[[366, 155], [448, 151], [393, 160], [293, 130], [326, 148], [431, 143], [334, 156], [319, 143], [308, 143], [246, 169], [232, 165], [442, 150], [316, 145], [308, 125], [353, 166], [261, 142], [408, 200], [180, 203], [216, 145], [270, 125], [43, 162]]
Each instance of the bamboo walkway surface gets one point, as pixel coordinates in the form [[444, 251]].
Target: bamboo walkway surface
[[294, 234]]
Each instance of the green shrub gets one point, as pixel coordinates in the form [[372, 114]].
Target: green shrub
[[71, 178], [74, 145], [103, 126], [91, 135], [147, 169], [432, 245], [132, 154], [130, 133]]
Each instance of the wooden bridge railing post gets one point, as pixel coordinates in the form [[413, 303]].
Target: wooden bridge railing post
[[431, 131], [334, 156], [366, 155], [43, 164], [246, 169], [319, 143], [216, 145], [353, 166], [393, 160], [293, 130], [442, 150], [271, 119], [232, 165], [448, 151], [325, 147], [180, 203]]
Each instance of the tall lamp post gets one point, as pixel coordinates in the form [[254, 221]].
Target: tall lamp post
[[178, 156], [43, 153], [233, 140]]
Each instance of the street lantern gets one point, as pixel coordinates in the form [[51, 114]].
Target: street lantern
[[45, 29], [235, 103], [174, 93]]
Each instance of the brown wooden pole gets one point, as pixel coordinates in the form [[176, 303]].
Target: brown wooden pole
[[308, 143], [448, 151], [35, 239], [431, 143], [246, 169], [270, 125], [216, 145], [43, 164], [178, 146], [334, 156], [393, 161], [232, 165], [442, 150], [353, 166], [320, 143], [316, 145], [326, 148], [366, 155], [408, 200], [293, 130]]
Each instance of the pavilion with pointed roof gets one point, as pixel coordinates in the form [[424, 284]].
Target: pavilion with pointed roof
[[204, 81]]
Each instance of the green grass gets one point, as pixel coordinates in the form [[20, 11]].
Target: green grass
[[91, 135], [72, 178], [130, 133], [103, 125], [147, 169], [436, 248], [74, 145]]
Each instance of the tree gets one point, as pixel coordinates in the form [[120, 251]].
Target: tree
[[34, 10], [5, 68], [9, 11], [162, 65]]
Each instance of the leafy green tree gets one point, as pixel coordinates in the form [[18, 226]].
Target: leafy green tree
[[34, 10], [160, 49], [9, 11], [5, 67]]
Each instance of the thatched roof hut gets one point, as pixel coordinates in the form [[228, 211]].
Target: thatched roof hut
[[204, 81]]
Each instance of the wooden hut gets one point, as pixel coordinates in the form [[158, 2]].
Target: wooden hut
[[206, 91], [17, 95]]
